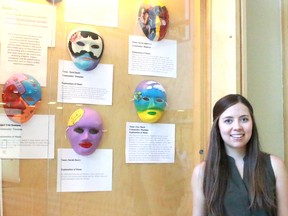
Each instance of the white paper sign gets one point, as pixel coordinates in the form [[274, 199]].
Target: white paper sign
[[152, 58], [150, 143], [28, 19], [86, 87], [26, 30], [22, 53], [31, 140], [77, 173]]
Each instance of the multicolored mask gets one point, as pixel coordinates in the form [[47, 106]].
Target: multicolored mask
[[54, 1], [85, 129], [154, 20], [150, 101], [85, 48], [21, 96]]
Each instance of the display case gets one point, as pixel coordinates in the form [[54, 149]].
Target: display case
[[139, 168]]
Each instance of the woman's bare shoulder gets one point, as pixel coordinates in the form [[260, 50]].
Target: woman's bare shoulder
[[281, 174], [278, 165], [197, 190]]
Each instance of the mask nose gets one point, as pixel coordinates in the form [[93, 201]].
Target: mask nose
[[86, 47], [85, 135], [158, 23], [151, 103]]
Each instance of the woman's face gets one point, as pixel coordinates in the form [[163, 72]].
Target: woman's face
[[235, 125], [85, 131]]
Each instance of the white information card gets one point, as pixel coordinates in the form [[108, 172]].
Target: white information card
[[77, 173], [150, 143], [86, 87], [31, 140]]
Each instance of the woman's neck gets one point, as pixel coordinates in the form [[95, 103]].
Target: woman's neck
[[237, 154]]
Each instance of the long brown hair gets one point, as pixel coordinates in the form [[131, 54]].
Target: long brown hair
[[215, 180]]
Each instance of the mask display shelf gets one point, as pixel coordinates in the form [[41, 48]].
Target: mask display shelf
[[103, 106]]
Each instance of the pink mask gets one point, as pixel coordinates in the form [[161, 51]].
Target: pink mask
[[85, 129]]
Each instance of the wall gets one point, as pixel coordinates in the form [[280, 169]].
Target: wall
[[285, 70], [225, 49], [246, 57], [264, 71]]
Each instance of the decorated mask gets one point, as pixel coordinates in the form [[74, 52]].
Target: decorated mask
[[153, 20], [85, 48], [54, 1], [21, 96], [85, 129], [150, 101]]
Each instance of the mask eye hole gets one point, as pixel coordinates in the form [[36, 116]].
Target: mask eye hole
[[80, 43], [93, 131], [95, 46], [159, 100], [145, 98], [78, 130]]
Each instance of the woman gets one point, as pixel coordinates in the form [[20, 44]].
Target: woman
[[238, 178]]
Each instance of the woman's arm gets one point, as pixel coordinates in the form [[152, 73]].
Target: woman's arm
[[197, 190], [281, 175]]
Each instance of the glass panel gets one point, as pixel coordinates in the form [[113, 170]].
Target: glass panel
[[29, 183]]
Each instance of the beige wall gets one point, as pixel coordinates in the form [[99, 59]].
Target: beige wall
[[264, 71], [225, 50], [285, 70], [246, 58]]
